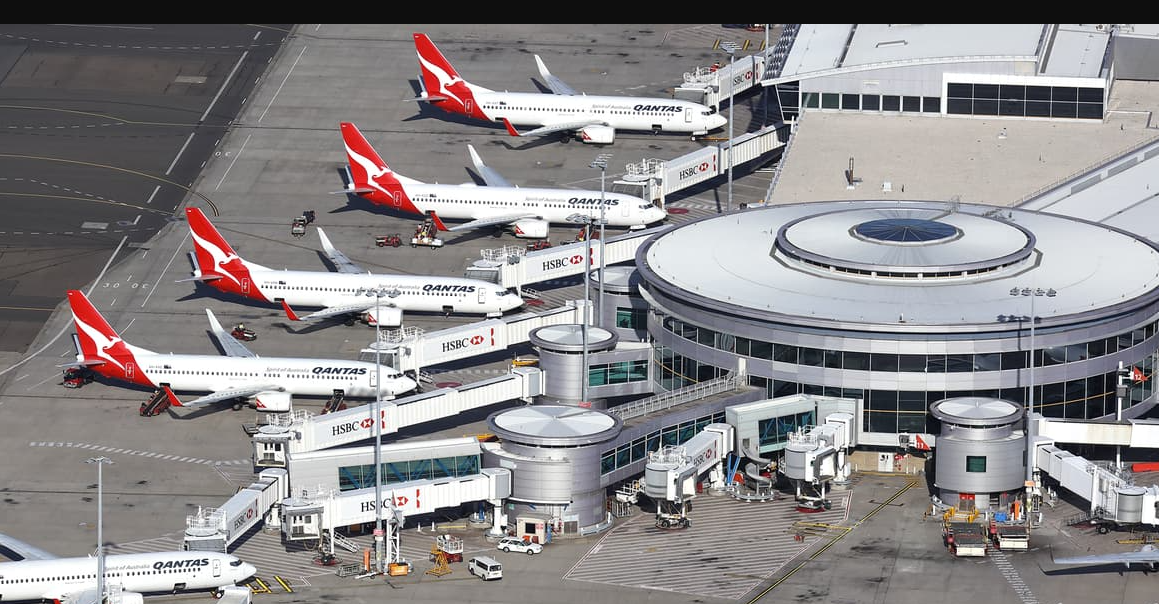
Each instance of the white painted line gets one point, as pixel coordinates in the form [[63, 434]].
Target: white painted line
[[223, 85], [233, 161], [138, 218], [179, 152], [280, 86], [153, 194], [175, 252], [26, 375]]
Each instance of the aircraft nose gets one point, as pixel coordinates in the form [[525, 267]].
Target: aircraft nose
[[717, 121], [513, 302], [248, 570], [405, 384]]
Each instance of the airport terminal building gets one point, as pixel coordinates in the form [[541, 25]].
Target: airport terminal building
[[898, 305], [1021, 70]]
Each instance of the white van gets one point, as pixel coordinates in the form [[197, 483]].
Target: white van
[[485, 567]]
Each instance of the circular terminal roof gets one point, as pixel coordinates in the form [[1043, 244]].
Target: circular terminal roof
[[897, 266], [620, 279], [554, 425], [977, 411], [569, 338]]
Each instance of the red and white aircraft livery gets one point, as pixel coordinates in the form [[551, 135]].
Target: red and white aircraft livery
[[265, 382], [592, 118], [39, 575], [527, 211], [342, 293]]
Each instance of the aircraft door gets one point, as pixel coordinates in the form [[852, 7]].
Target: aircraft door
[[245, 285], [482, 295], [130, 369], [625, 209], [216, 567], [687, 116], [469, 106]]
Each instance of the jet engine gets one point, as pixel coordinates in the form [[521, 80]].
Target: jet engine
[[530, 228], [272, 401], [598, 135], [385, 316]]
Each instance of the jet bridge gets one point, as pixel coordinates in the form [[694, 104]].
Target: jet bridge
[[710, 86], [820, 455], [672, 472], [314, 515], [215, 529], [1114, 500], [300, 431], [411, 349]]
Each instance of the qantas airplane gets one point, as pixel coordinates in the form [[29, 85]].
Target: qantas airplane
[[265, 382], [527, 211], [339, 293], [592, 118], [40, 575]]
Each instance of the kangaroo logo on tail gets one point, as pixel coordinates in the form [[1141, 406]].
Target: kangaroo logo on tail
[[369, 173], [216, 259], [101, 347], [443, 85]]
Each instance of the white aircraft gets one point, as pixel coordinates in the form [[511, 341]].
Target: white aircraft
[[527, 211], [342, 293], [1147, 555], [265, 382], [40, 575], [594, 119]]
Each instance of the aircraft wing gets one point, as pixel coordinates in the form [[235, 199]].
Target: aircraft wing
[[492, 221], [555, 84], [340, 260], [1145, 555], [551, 128], [87, 595], [332, 311], [225, 395], [25, 551], [231, 345], [490, 176]]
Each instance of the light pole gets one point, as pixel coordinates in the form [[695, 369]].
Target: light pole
[[587, 220], [601, 162], [378, 293], [730, 48], [100, 461], [1032, 293]]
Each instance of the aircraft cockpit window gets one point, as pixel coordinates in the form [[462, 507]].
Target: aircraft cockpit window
[[237, 562]]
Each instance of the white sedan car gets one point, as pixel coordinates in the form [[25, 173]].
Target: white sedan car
[[515, 544]]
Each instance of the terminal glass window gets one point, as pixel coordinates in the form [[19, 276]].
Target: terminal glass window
[[975, 463], [829, 100], [931, 104], [850, 101], [1020, 100], [774, 432], [891, 102], [871, 102], [912, 104], [632, 318]]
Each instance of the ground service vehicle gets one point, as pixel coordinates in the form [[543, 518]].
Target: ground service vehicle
[[515, 544], [485, 568]]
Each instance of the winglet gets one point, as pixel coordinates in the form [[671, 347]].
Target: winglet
[[173, 400], [438, 222], [510, 129], [289, 312]]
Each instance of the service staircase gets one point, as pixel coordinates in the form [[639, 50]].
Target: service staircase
[[344, 542], [156, 405], [336, 403]]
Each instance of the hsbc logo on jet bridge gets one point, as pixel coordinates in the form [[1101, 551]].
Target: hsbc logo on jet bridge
[[558, 263], [467, 342], [694, 170]]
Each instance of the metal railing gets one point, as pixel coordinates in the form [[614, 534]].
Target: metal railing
[[670, 399]]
